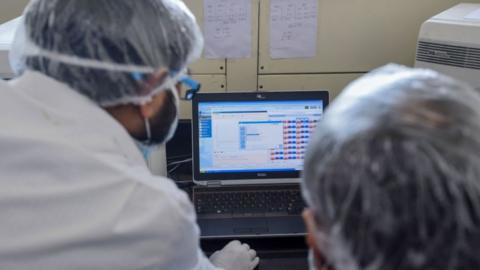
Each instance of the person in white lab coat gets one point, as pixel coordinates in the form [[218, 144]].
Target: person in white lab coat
[[392, 175], [94, 76]]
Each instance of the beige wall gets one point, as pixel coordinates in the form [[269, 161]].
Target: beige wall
[[355, 36], [10, 9]]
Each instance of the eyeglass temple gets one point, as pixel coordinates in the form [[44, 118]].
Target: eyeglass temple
[[190, 82]]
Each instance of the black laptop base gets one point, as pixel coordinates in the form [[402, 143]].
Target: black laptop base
[[249, 211]]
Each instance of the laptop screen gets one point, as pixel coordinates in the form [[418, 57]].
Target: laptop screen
[[255, 137]]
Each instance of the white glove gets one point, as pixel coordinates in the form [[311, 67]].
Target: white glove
[[235, 256]]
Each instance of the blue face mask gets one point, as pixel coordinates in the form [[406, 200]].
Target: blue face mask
[[146, 149]]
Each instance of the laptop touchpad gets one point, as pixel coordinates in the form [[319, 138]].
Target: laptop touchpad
[[249, 224], [250, 227], [233, 226]]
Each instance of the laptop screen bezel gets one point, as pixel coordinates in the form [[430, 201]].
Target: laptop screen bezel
[[251, 96]]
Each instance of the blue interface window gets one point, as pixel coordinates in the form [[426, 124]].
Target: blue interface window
[[256, 136]]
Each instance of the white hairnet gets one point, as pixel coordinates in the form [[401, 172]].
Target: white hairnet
[[107, 49], [393, 174]]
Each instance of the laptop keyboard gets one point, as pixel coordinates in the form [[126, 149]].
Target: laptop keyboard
[[249, 203]]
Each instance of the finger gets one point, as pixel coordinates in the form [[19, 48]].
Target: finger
[[234, 243], [255, 262], [247, 247], [214, 255], [252, 253]]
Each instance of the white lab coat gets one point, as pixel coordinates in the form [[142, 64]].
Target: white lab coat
[[75, 192]]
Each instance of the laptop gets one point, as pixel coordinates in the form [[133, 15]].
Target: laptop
[[248, 152]]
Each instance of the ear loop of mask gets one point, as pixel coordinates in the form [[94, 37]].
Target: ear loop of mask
[[174, 126], [148, 131]]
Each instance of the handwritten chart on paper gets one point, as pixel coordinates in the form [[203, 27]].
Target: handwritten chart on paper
[[293, 28], [228, 28]]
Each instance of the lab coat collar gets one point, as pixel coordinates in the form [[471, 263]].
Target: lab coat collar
[[55, 94], [68, 105]]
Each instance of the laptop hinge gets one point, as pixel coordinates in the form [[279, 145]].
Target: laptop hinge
[[214, 183]]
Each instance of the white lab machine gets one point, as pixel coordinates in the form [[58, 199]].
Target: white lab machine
[[157, 162], [7, 32], [450, 43]]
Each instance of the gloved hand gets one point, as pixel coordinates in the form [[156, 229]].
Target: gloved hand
[[235, 256]]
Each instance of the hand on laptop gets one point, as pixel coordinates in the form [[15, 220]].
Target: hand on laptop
[[235, 256]]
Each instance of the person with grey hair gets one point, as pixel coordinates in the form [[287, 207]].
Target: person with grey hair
[[392, 175], [98, 87]]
